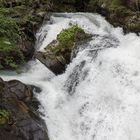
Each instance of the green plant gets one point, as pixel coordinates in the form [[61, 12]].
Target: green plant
[[66, 37], [9, 61], [9, 28], [8, 49], [4, 116], [110, 3]]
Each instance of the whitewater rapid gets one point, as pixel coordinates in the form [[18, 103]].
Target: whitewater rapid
[[98, 97]]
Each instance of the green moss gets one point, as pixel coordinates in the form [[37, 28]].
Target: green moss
[[9, 61], [66, 37], [110, 3], [4, 116], [4, 11], [7, 47], [120, 11]]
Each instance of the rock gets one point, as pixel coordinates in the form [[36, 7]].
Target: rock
[[57, 54], [133, 4], [54, 63], [27, 48], [19, 116], [123, 13], [123, 17]]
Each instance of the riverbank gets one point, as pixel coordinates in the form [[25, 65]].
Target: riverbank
[[122, 13], [20, 21]]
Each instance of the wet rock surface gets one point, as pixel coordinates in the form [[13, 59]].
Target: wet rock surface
[[123, 13], [55, 57], [19, 116]]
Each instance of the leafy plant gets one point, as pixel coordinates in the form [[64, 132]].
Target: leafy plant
[[9, 28], [8, 49]]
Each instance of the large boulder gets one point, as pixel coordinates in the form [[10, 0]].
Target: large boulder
[[19, 116], [57, 55]]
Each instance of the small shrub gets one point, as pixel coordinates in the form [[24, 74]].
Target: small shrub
[[7, 49], [66, 37], [9, 28]]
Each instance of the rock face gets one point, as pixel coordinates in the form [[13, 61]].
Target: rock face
[[56, 63], [19, 118], [57, 54], [120, 14], [123, 13], [133, 4]]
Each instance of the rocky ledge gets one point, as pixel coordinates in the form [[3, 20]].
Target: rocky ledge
[[19, 116], [57, 55], [123, 13]]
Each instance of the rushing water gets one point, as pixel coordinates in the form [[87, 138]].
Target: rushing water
[[98, 97]]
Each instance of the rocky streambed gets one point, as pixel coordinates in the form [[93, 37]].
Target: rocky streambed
[[19, 115]]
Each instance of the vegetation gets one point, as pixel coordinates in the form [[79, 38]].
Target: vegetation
[[4, 116], [66, 38], [9, 51], [18, 21], [9, 37], [86, 5]]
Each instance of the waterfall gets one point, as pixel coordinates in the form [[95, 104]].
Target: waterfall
[[98, 96]]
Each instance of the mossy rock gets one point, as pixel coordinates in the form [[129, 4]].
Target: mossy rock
[[57, 54], [19, 115], [65, 41], [66, 38]]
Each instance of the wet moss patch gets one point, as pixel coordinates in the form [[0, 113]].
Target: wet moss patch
[[4, 115]]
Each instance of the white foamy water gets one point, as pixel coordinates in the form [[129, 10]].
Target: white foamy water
[[98, 97]]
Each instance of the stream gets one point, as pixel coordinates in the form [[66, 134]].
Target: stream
[[98, 96]]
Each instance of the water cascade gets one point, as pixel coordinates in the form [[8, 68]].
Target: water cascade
[[98, 96]]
